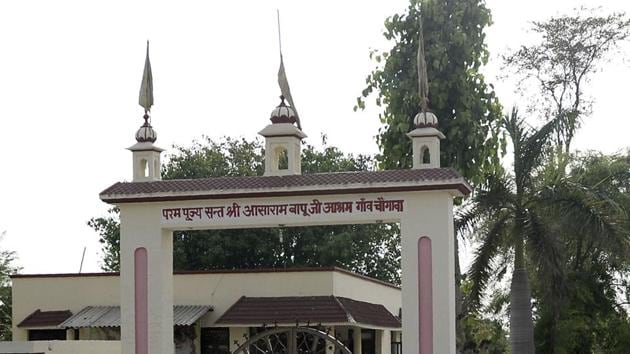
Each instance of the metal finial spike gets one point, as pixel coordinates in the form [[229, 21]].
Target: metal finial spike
[[423, 80], [279, 34]]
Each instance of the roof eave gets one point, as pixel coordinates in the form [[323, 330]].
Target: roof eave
[[292, 324], [459, 187]]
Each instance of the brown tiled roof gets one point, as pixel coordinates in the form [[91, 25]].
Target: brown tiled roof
[[416, 179], [365, 312], [306, 309], [45, 318]]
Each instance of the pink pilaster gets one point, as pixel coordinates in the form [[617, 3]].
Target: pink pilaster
[[425, 294], [141, 301]]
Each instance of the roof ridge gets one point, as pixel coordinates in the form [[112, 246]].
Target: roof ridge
[[29, 317], [230, 308], [350, 318]]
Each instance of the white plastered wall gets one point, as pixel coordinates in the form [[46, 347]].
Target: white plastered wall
[[223, 290], [432, 216], [140, 227], [346, 285], [220, 290], [60, 293], [61, 347], [426, 142], [146, 165], [293, 149]]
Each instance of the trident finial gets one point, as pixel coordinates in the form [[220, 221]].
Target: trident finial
[[146, 89]]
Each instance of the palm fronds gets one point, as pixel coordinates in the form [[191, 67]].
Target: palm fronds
[[481, 268]]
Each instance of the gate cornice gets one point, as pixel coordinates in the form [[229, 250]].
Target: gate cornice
[[438, 179]]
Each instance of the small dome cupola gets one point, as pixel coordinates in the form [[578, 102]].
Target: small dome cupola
[[283, 137], [146, 133], [283, 113], [425, 119], [425, 137]]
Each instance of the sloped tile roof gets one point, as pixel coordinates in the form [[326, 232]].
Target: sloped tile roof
[[435, 178], [306, 309], [365, 312], [45, 318]]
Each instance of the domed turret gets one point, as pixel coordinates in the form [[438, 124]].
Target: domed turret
[[283, 113], [146, 133], [425, 119], [425, 137], [283, 141]]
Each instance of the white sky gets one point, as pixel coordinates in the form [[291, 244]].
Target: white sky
[[70, 73]]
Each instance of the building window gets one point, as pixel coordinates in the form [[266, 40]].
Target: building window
[[397, 339], [215, 341], [46, 334], [368, 341], [144, 165], [105, 333], [396, 348], [283, 158], [184, 338], [425, 155]]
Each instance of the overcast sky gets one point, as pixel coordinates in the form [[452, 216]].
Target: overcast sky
[[70, 73]]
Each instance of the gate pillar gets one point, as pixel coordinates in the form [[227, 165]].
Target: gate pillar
[[146, 282], [428, 274]]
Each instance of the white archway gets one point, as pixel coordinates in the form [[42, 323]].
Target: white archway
[[420, 200]]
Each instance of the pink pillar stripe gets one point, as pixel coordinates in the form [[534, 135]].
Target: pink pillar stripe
[[425, 295], [141, 301]]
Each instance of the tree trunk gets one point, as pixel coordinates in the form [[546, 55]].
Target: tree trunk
[[521, 322]]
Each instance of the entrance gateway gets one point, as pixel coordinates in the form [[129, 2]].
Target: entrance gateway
[[420, 199]]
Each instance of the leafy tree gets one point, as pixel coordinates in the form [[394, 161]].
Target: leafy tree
[[467, 108], [108, 229], [372, 250], [591, 317], [569, 50], [515, 217], [481, 333], [228, 157], [7, 267]]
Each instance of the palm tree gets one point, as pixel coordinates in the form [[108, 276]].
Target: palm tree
[[509, 217]]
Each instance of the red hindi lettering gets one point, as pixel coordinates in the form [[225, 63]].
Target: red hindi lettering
[[234, 211], [315, 207]]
